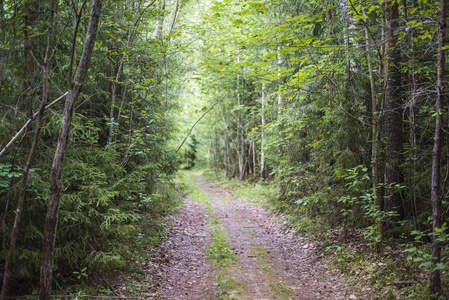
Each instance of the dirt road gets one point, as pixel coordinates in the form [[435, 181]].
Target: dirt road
[[263, 260]]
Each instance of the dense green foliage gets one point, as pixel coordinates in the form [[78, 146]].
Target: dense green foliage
[[117, 175], [312, 83]]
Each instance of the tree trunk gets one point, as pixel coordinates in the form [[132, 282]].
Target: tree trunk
[[29, 68], [228, 158], [216, 155], [254, 159], [241, 137], [175, 16], [160, 22], [209, 145], [51, 220], [26, 170], [435, 276], [375, 129], [279, 81], [113, 99], [393, 116], [262, 137]]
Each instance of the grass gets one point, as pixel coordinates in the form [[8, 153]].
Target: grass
[[253, 192], [185, 180], [221, 255], [278, 287]]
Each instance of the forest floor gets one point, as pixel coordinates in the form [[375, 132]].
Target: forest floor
[[224, 247]]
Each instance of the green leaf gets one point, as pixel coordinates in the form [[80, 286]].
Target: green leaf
[[439, 266], [426, 264]]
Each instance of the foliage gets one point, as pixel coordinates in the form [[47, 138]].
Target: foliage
[[307, 112], [118, 175]]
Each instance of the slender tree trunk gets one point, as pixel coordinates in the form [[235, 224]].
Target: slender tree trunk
[[29, 67], [216, 155], [51, 220], [435, 276], [262, 137], [393, 116], [208, 152], [160, 22], [26, 170], [279, 81], [242, 160], [113, 100], [375, 129], [225, 158], [228, 158], [175, 16], [254, 159], [241, 137]]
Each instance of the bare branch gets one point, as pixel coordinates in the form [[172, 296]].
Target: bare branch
[[28, 123]]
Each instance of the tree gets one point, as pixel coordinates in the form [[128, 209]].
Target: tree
[[437, 214], [26, 170], [393, 114], [105, 207], [51, 220]]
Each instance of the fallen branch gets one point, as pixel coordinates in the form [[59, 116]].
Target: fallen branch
[[28, 123]]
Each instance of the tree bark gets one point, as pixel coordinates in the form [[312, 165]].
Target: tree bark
[[435, 276], [51, 220], [240, 129], [216, 154], [374, 128], [26, 169], [160, 22], [254, 159], [393, 116], [345, 16], [279, 80], [262, 137]]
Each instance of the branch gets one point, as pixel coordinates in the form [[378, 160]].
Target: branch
[[26, 125], [213, 105]]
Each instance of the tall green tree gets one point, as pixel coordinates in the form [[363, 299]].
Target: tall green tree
[[75, 86]]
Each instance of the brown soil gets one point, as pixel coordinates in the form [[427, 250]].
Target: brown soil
[[272, 263], [179, 265]]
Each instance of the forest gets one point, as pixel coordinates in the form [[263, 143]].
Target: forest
[[339, 108]]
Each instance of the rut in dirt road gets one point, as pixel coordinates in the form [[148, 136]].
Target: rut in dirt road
[[270, 264]]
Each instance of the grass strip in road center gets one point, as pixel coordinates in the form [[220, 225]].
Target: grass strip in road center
[[278, 287], [224, 259], [219, 250], [186, 180]]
